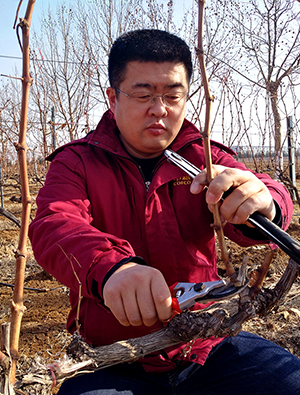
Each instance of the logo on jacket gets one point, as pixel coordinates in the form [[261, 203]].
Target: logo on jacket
[[186, 180]]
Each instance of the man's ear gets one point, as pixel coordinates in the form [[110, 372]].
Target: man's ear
[[111, 94]]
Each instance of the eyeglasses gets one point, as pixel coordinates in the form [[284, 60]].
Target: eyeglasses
[[169, 99]]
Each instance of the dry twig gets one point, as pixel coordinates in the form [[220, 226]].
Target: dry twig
[[79, 287], [10, 216]]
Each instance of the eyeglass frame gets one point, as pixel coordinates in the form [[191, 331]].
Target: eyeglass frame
[[154, 96]]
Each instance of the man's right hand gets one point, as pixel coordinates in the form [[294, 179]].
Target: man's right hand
[[138, 295]]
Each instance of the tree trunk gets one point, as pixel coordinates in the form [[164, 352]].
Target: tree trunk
[[272, 88]]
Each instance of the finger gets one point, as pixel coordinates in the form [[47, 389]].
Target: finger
[[242, 202], [132, 309], [237, 207], [221, 183], [119, 296], [116, 306], [248, 195], [261, 201], [199, 183], [157, 303], [162, 299], [240, 213], [147, 307]]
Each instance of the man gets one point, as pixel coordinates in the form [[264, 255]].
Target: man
[[136, 224]]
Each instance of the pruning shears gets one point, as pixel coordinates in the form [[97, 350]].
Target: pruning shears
[[273, 232], [185, 295]]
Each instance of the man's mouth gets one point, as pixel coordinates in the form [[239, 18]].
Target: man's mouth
[[156, 128]]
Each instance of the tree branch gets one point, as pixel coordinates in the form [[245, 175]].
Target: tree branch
[[10, 216]]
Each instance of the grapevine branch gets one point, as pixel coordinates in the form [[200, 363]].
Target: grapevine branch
[[17, 306], [218, 225]]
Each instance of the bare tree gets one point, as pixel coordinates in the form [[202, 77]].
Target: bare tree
[[70, 59], [264, 55], [63, 73], [10, 106], [245, 57], [40, 106]]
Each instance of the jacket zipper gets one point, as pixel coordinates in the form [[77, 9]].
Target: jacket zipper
[[146, 183]]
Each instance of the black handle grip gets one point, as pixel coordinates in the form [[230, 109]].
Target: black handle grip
[[287, 243]]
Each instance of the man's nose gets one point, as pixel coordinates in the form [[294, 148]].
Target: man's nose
[[158, 108]]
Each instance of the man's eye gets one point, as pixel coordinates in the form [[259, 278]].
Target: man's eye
[[172, 97], [142, 96]]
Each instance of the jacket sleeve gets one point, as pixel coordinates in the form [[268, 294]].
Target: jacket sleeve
[[63, 237], [243, 235]]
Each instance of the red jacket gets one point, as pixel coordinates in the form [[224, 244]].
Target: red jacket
[[94, 211]]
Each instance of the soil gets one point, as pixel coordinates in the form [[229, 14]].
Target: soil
[[43, 335]]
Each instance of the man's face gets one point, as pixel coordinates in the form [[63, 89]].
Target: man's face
[[148, 128]]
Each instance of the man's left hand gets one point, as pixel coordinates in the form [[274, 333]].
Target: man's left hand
[[249, 194]]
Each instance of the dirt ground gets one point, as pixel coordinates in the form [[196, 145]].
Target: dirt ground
[[43, 333]]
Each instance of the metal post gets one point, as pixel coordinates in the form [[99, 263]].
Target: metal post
[[34, 162], [291, 152], [1, 188], [53, 128]]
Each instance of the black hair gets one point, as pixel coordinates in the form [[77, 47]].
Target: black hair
[[147, 45]]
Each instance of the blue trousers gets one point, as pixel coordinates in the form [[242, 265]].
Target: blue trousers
[[242, 365]]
